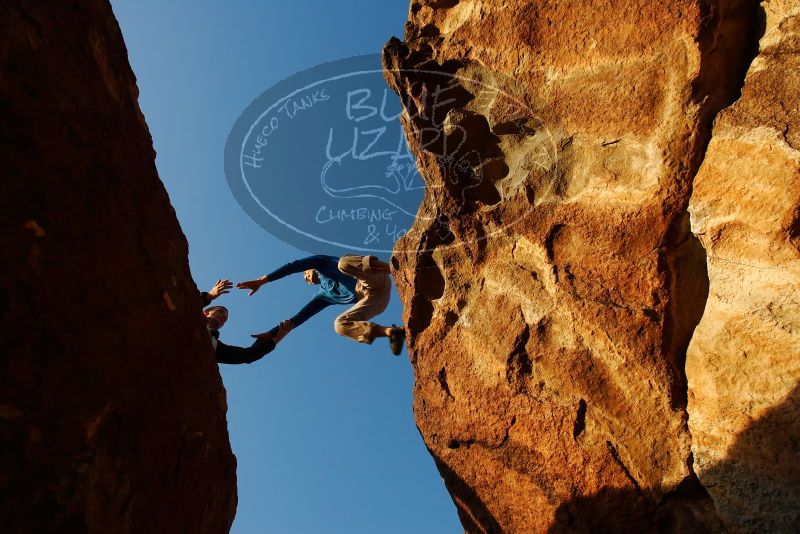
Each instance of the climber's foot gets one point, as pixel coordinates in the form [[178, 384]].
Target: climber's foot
[[397, 337]]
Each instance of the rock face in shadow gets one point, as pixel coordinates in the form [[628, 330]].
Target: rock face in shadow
[[744, 358], [752, 456], [552, 282], [112, 411]]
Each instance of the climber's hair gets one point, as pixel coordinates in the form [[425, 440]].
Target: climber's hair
[[212, 308]]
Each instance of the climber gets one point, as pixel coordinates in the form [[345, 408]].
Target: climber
[[359, 280], [216, 316]]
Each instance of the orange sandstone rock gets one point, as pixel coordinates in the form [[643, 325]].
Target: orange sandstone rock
[[551, 282], [743, 363]]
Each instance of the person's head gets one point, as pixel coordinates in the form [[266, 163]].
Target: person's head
[[311, 276], [216, 316]]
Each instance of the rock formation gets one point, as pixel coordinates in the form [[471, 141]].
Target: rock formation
[[112, 411], [743, 362], [560, 262]]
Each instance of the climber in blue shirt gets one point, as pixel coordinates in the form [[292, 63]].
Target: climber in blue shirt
[[360, 281]]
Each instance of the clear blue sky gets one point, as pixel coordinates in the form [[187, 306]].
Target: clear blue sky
[[323, 428]]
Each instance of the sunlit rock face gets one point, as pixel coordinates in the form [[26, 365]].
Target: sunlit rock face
[[552, 281], [112, 411], [743, 363]]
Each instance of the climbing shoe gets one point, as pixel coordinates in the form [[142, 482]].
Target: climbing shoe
[[396, 340]]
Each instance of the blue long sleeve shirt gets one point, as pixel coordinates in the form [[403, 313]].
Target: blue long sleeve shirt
[[335, 287]]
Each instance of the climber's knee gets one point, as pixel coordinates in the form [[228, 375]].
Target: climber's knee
[[349, 264], [342, 326]]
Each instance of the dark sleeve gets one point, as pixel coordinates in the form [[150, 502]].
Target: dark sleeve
[[206, 298], [315, 306], [298, 266], [237, 355]]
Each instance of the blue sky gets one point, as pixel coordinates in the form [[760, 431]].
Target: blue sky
[[323, 428]]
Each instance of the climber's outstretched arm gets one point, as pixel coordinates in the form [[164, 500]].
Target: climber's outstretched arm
[[298, 266], [314, 306], [263, 345]]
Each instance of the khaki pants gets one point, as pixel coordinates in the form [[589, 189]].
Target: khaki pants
[[373, 291]]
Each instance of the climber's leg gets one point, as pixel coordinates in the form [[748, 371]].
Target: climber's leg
[[374, 287], [368, 270], [355, 324]]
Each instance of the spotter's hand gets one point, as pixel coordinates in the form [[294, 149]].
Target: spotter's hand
[[222, 286]]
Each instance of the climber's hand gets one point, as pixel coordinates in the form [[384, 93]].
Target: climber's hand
[[253, 285], [283, 328], [220, 288]]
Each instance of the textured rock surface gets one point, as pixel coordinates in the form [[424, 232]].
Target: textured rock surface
[[552, 284], [743, 363], [112, 412]]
